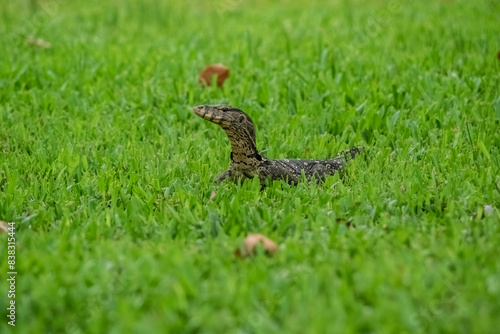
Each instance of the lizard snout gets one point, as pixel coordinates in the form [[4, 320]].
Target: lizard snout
[[199, 110]]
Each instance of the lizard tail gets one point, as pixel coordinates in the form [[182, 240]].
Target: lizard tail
[[351, 153]]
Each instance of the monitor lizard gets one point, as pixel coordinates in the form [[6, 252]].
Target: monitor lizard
[[247, 162]]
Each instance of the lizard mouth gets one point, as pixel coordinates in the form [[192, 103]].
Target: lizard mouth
[[199, 111]]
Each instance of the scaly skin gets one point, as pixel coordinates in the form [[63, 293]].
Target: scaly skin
[[246, 162]]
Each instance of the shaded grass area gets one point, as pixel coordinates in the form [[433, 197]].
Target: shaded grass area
[[108, 174]]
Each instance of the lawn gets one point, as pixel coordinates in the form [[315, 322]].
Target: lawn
[[108, 175]]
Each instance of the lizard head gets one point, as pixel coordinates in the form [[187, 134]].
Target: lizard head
[[237, 125], [225, 116]]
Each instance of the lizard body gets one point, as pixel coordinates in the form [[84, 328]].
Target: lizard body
[[247, 162]]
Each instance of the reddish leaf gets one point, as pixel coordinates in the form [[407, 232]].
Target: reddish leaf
[[219, 70]]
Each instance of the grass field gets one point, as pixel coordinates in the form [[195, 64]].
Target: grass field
[[108, 174]]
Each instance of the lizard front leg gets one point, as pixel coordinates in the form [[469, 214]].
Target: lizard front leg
[[230, 175]]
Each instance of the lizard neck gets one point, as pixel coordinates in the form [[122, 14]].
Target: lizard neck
[[244, 153]]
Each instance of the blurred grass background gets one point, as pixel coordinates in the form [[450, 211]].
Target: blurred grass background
[[108, 174]]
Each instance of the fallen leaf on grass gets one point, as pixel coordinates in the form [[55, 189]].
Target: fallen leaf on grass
[[219, 70], [4, 227], [212, 195], [251, 243], [38, 42]]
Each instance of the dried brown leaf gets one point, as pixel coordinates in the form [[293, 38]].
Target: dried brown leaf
[[251, 243], [212, 195], [38, 42], [219, 70]]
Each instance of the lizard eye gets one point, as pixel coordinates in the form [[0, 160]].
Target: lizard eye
[[241, 119]]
